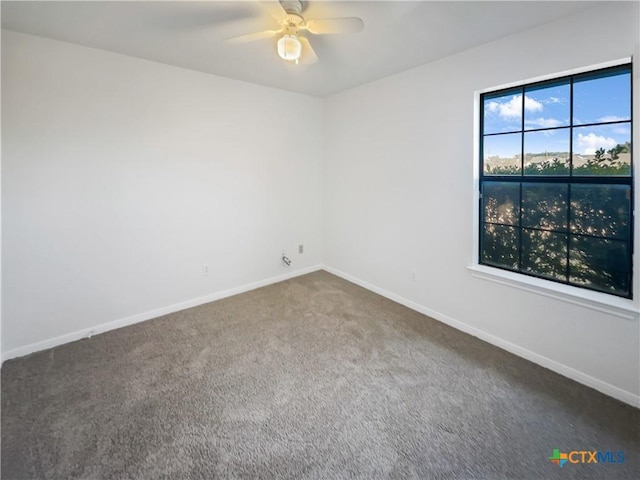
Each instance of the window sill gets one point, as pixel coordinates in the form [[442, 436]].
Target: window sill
[[601, 302]]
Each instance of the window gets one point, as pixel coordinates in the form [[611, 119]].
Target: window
[[556, 187]]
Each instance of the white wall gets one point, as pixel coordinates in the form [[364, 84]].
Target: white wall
[[399, 196], [122, 177]]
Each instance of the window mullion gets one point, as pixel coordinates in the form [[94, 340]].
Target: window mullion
[[520, 231], [569, 186]]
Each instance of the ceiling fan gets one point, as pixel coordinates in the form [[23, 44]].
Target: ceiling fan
[[292, 45]]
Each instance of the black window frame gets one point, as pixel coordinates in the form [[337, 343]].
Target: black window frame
[[568, 180]]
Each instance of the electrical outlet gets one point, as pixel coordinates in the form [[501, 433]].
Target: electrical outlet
[[414, 275], [205, 269], [300, 249]]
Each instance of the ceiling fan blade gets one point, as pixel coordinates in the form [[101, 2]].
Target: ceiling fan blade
[[324, 26], [274, 9], [308, 54], [251, 37]]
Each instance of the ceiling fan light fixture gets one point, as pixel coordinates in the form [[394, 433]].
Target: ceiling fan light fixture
[[289, 47]]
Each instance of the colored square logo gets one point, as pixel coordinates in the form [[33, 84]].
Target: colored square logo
[[558, 458]]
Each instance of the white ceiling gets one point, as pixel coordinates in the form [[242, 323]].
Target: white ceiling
[[398, 34]]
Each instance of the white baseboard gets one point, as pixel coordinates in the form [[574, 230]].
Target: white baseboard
[[580, 377], [141, 317]]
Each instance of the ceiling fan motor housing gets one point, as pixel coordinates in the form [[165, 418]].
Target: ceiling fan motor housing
[[292, 6], [293, 18]]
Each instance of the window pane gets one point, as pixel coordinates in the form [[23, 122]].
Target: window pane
[[501, 154], [602, 150], [502, 113], [500, 246], [600, 264], [544, 254], [547, 106], [601, 210], [602, 99], [546, 152], [501, 202], [544, 205]]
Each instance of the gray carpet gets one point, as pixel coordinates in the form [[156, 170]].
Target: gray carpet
[[310, 378]]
